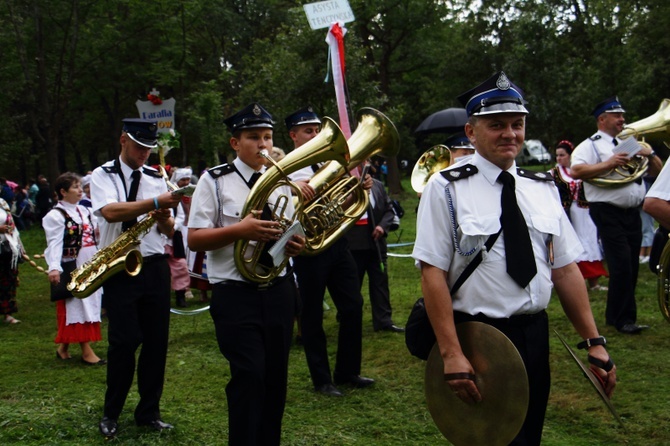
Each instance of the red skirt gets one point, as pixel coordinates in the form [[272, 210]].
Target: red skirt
[[75, 333], [592, 270]]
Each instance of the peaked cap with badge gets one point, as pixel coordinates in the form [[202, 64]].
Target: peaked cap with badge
[[250, 117], [305, 115], [495, 95], [142, 131], [609, 105], [459, 141]]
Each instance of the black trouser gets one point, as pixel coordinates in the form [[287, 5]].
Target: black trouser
[[620, 231], [369, 261], [335, 269], [254, 330], [530, 336], [138, 309]]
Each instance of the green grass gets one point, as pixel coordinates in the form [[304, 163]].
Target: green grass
[[48, 402]]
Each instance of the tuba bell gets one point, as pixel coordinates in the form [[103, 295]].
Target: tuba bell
[[340, 200], [329, 145], [663, 288], [655, 128], [433, 160]]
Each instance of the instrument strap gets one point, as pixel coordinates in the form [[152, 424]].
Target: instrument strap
[[475, 262]]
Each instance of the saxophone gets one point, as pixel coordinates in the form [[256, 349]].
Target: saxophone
[[122, 253]]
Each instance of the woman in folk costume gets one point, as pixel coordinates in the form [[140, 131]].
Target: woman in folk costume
[[10, 253], [574, 202], [70, 232]]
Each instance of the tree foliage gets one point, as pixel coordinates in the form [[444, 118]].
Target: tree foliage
[[73, 69]]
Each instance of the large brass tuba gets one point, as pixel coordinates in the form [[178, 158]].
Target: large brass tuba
[[340, 200], [655, 128], [663, 289], [433, 160], [122, 254], [329, 144]]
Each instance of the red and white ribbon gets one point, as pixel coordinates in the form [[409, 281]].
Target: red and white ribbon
[[335, 40]]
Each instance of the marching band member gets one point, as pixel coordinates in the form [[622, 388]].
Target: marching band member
[[461, 208], [254, 322], [138, 308]]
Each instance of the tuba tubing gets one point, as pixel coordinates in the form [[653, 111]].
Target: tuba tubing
[[329, 145], [433, 160], [326, 218], [663, 284]]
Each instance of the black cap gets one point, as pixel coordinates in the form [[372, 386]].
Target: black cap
[[305, 115], [251, 116], [609, 105], [142, 131], [496, 94], [459, 141]]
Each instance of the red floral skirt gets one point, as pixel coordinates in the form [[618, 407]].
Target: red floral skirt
[[75, 333]]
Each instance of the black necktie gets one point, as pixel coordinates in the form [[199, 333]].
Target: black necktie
[[518, 248], [132, 196], [615, 142], [265, 258]]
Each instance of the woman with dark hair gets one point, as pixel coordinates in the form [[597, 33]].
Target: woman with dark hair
[[70, 232], [576, 207]]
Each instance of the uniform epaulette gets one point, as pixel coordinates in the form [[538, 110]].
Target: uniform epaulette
[[458, 173], [110, 169], [533, 175], [151, 172], [595, 137], [223, 169]]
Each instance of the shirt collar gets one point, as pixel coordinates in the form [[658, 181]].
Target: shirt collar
[[490, 171], [244, 169], [127, 170]]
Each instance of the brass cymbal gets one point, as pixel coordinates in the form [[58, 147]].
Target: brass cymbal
[[501, 379], [433, 160], [595, 382]]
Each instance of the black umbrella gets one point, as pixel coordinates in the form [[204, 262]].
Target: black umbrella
[[449, 120]]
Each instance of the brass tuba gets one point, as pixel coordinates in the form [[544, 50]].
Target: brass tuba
[[329, 144], [663, 289], [655, 128], [121, 254], [340, 200], [433, 160]]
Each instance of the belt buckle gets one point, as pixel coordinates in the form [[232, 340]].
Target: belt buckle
[[264, 286]]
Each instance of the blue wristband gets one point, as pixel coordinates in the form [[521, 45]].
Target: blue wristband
[[156, 202]]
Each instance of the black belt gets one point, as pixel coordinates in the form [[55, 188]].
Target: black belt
[[516, 320], [153, 258], [257, 286]]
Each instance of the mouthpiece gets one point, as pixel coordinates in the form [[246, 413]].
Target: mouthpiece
[[264, 153]]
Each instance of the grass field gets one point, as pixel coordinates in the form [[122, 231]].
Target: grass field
[[44, 401]]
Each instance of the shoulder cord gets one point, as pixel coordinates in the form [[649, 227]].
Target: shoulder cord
[[219, 221], [593, 144], [454, 233], [474, 263]]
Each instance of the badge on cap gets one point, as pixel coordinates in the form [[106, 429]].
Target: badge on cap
[[503, 83]]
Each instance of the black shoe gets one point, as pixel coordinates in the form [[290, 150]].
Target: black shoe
[[100, 362], [632, 328], [393, 328], [181, 302], [328, 389], [108, 427], [157, 424], [355, 380]]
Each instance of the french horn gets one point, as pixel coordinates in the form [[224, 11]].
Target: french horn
[[329, 145], [655, 128], [433, 160]]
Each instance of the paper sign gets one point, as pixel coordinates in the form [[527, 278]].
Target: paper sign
[[324, 14]]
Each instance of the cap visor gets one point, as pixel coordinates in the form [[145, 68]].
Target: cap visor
[[507, 107], [142, 143]]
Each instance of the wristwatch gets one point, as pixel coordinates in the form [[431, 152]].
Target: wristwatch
[[588, 343]]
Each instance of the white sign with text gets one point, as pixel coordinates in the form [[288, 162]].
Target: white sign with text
[[324, 14]]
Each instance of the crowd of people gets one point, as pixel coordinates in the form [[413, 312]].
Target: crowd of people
[[540, 232]]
